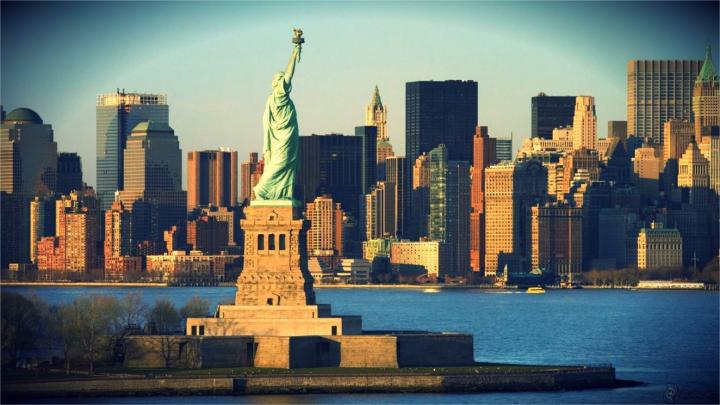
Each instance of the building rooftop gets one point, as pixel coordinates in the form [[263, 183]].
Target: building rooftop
[[376, 101], [23, 116], [151, 126], [707, 72], [123, 98]]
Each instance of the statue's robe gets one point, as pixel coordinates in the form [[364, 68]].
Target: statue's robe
[[280, 145]]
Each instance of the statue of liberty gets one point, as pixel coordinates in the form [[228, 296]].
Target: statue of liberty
[[280, 139]]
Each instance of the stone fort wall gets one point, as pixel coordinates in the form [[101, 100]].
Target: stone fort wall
[[356, 351]]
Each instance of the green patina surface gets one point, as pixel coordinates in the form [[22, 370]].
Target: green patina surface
[[707, 72], [280, 138]]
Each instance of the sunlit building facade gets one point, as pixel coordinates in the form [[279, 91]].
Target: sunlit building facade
[[706, 98], [657, 91], [659, 247], [584, 123], [483, 157], [510, 190], [152, 182], [423, 257], [212, 178], [325, 236]]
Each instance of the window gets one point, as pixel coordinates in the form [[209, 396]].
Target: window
[[333, 330], [271, 242], [193, 330], [261, 242], [202, 330], [282, 242], [269, 301]]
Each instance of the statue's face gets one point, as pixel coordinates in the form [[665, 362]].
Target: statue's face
[[277, 79]]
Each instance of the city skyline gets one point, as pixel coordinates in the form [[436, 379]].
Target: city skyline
[[215, 99]]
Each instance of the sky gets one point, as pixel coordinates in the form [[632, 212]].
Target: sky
[[215, 60]]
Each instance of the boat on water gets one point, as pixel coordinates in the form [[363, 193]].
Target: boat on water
[[536, 290]]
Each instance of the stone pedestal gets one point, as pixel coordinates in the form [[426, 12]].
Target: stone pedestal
[[275, 263], [275, 294]]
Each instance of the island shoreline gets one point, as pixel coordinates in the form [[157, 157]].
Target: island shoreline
[[540, 380]]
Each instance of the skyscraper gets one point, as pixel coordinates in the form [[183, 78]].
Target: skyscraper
[[368, 156], [229, 215], [37, 226], [694, 176], [550, 112], [42, 222], [78, 231], [618, 165], [69, 173], [331, 165], [207, 234], [325, 236], [617, 129], [710, 148], [376, 115], [439, 113], [396, 175], [617, 236], [510, 190], [706, 97], [676, 136], [152, 181], [591, 196], [658, 90], [449, 219], [14, 228], [212, 178], [379, 206], [28, 154], [646, 166], [503, 150], [116, 115], [579, 160], [483, 157], [118, 232], [247, 169], [420, 196], [557, 243], [584, 123]]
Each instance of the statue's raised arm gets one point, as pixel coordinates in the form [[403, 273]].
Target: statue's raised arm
[[298, 40]]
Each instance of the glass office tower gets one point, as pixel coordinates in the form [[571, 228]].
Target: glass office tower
[[550, 112], [116, 115], [438, 113]]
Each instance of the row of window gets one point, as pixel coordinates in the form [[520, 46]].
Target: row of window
[[271, 242]]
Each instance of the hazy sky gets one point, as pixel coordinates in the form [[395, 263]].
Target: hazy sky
[[215, 61]]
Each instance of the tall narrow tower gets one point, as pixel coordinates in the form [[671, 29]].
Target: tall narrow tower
[[376, 115], [483, 156], [706, 97], [584, 123]]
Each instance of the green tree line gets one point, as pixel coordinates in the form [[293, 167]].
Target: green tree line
[[87, 329]]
